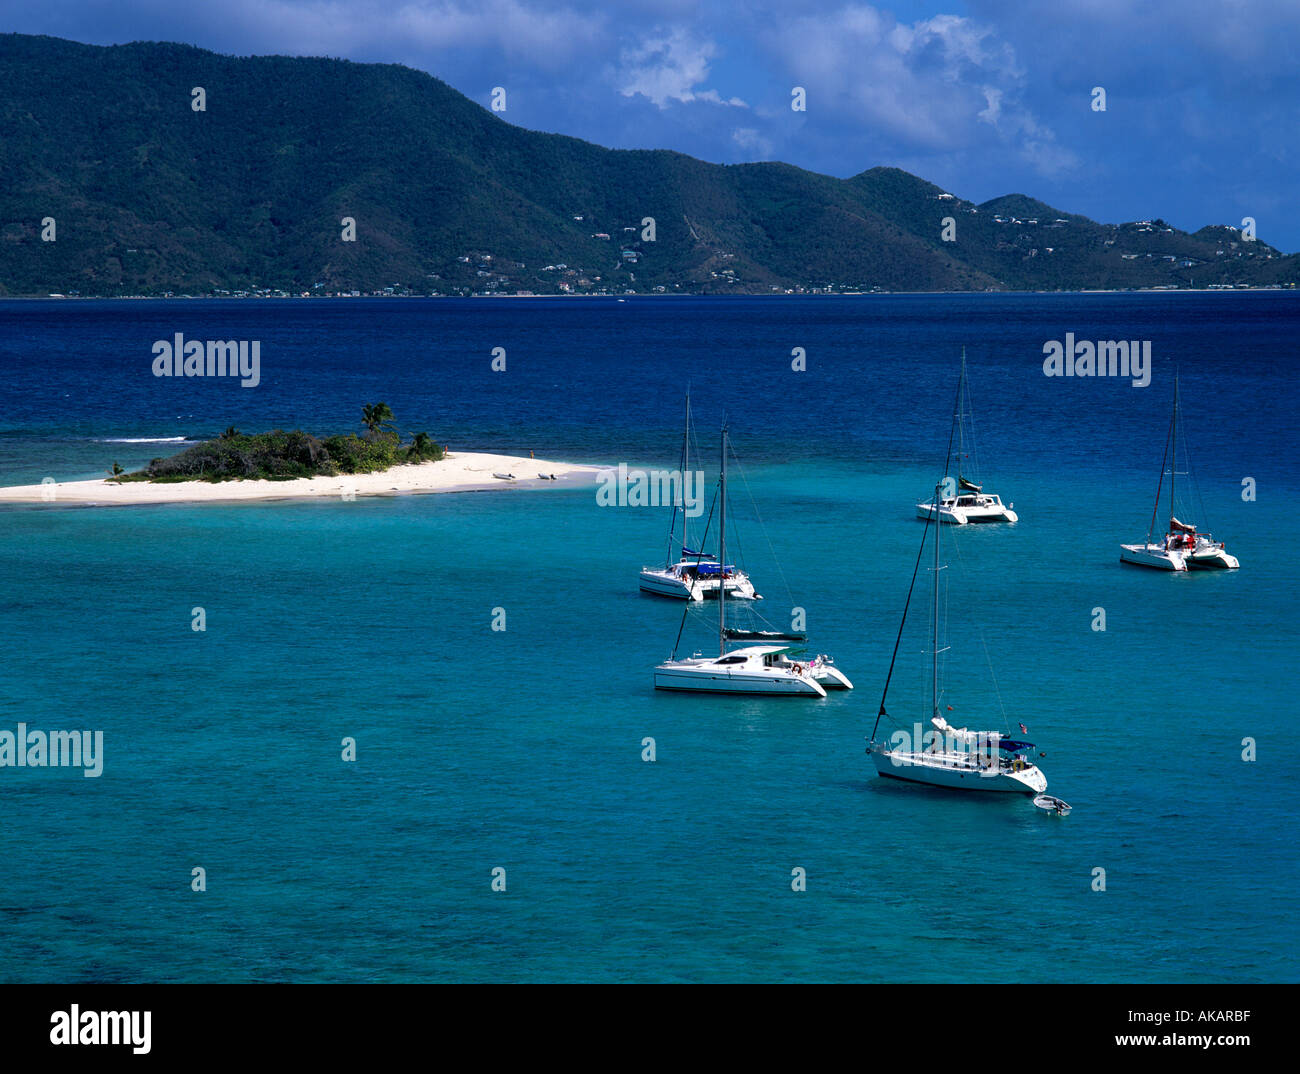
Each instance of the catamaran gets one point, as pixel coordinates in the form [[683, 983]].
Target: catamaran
[[955, 757], [693, 575], [961, 500], [772, 667], [1182, 547]]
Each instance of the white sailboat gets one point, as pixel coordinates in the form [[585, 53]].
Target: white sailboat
[[962, 501], [955, 757], [692, 575], [771, 667], [1182, 548]]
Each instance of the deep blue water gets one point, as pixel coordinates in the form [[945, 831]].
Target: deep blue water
[[522, 749]]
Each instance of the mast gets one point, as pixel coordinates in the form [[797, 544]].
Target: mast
[[686, 465], [959, 417], [722, 550], [1173, 448], [1160, 484], [934, 626], [931, 520]]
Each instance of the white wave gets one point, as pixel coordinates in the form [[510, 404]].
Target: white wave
[[144, 440]]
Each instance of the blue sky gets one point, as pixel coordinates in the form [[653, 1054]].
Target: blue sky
[[983, 97]]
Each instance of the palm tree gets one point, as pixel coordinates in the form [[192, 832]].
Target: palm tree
[[230, 433], [377, 418], [117, 470], [420, 445]]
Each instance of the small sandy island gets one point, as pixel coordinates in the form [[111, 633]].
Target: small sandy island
[[460, 471]]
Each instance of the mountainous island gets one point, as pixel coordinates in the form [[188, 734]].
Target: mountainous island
[[325, 177]]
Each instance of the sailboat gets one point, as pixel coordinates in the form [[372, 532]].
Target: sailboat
[[1182, 547], [955, 756], [771, 667], [692, 575], [965, 501]]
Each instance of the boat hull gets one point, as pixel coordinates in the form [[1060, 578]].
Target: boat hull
[[961, 516], [667, 584], [720, 681], [934, 771], [1212, 559], [1051, 805], [831, 678], [1152, 555]]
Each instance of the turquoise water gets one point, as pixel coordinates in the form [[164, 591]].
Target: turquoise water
[[521, 748]]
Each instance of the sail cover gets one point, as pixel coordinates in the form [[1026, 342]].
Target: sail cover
[[984, 738], [968, 486], [690, 553], [1179, 527], [958, 733]]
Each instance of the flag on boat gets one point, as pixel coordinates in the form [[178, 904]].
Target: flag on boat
[[968, 486], [1180, 527]]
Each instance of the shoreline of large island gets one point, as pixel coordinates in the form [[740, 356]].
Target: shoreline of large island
[[460, 471]]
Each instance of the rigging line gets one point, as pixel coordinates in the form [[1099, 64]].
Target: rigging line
[[974, 445], [692, 442], [898, 640], [682, 459], [762, 527], [682, 625], [1161, 483], [1191, 479], [933, 519], [988, 659], [939, 640]]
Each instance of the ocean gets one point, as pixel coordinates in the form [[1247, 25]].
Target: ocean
[[521, 749]]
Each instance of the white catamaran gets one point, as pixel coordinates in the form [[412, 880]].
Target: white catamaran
[[1182, 547], [692, 575], [962, 501], [954, 757], [768, 668]]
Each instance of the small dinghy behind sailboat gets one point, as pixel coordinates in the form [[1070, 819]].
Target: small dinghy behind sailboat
[[954, 757], [1052, 805]]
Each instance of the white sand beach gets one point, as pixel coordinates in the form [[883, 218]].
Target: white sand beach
[[460, 471]]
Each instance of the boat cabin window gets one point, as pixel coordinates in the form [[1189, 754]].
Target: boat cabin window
[[732, 660]]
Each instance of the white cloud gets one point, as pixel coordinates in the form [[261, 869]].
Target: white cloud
[[752, 143], [668, 65], [547, 37], [931, 85]]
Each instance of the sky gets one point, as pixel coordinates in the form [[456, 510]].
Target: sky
[[982, 97]]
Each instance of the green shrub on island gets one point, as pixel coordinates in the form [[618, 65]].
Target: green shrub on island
[[283, 456]]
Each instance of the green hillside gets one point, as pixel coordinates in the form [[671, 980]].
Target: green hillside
[[152, 197]]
